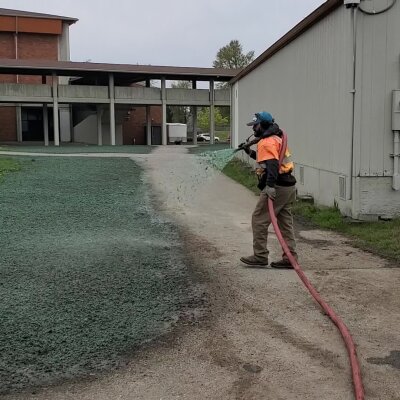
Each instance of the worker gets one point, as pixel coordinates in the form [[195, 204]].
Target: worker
[[275, 182]]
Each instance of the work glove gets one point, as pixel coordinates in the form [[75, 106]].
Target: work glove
[[244, 146], [270, 192]]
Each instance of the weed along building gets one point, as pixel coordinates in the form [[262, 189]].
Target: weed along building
[[45, 97], [333, 83]]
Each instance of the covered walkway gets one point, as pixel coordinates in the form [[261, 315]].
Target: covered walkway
[[109, 88]]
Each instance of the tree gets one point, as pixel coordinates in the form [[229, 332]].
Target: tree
[[232, 56], [181, 85], [203, 119]]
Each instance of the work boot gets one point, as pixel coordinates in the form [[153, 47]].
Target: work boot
[[253, 260], [283, 264]]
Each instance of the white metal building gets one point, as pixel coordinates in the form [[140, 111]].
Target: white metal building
[[331, 84]]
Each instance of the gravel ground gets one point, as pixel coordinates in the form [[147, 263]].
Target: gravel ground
[[262, 337]]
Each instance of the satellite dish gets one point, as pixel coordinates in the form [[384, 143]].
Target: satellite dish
[[374, 7]]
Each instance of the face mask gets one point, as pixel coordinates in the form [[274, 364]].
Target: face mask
[[257, 130]]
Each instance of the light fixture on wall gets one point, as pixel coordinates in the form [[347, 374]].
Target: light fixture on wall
[[351, 3]]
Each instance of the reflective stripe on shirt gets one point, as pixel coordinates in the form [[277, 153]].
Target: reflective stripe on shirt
[[269, 149]]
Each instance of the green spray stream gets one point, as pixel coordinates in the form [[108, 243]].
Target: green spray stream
[[219, 158]]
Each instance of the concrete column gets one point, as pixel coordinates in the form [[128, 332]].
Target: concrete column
[[148, 125], [65, 123], [212, 113], [148, 119], [71, 124], [164, 112], [99, 126], [112, 108], [55, 112], [19, 122], [16, 44], [194, 114], [46, 124], [235, 115]]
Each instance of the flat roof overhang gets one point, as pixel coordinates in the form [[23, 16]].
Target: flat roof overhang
[[123, 73], [28, 14]]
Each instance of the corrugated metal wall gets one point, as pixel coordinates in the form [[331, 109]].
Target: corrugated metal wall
[[307, 87], [378, 73]]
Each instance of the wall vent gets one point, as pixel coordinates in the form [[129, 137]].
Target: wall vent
[[301, 173], [342, 187]]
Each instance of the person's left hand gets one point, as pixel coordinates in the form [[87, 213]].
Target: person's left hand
[[270, 192]]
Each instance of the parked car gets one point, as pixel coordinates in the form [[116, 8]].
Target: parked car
[[205, 137]]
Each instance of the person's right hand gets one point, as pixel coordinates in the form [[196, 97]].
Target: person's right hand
[[244, 146]]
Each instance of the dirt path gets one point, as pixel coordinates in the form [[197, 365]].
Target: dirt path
[[263, 337]]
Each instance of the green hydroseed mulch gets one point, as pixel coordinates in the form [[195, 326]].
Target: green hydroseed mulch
[[8, 165], [218, 159], [88, 271], [73, 149]]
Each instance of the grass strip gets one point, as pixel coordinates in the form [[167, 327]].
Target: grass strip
[[380, 237]]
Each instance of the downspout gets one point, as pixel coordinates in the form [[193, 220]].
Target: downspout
[[16, 43], [18, 105], [396, 139], [353, 92], [396, 155]]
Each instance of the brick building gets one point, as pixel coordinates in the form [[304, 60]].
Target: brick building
[[35, 36], [134, 126], [31, 36], [45, 97]]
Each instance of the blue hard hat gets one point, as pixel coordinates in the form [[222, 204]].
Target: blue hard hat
[[261, 116]]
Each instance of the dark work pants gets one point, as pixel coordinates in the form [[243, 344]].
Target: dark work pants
[[285, 197]]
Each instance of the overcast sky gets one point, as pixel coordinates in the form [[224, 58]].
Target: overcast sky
[[173, 32]]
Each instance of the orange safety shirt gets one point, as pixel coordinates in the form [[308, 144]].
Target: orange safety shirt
[[269, 148]]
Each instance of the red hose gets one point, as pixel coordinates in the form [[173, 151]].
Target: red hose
[[355, 367]]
